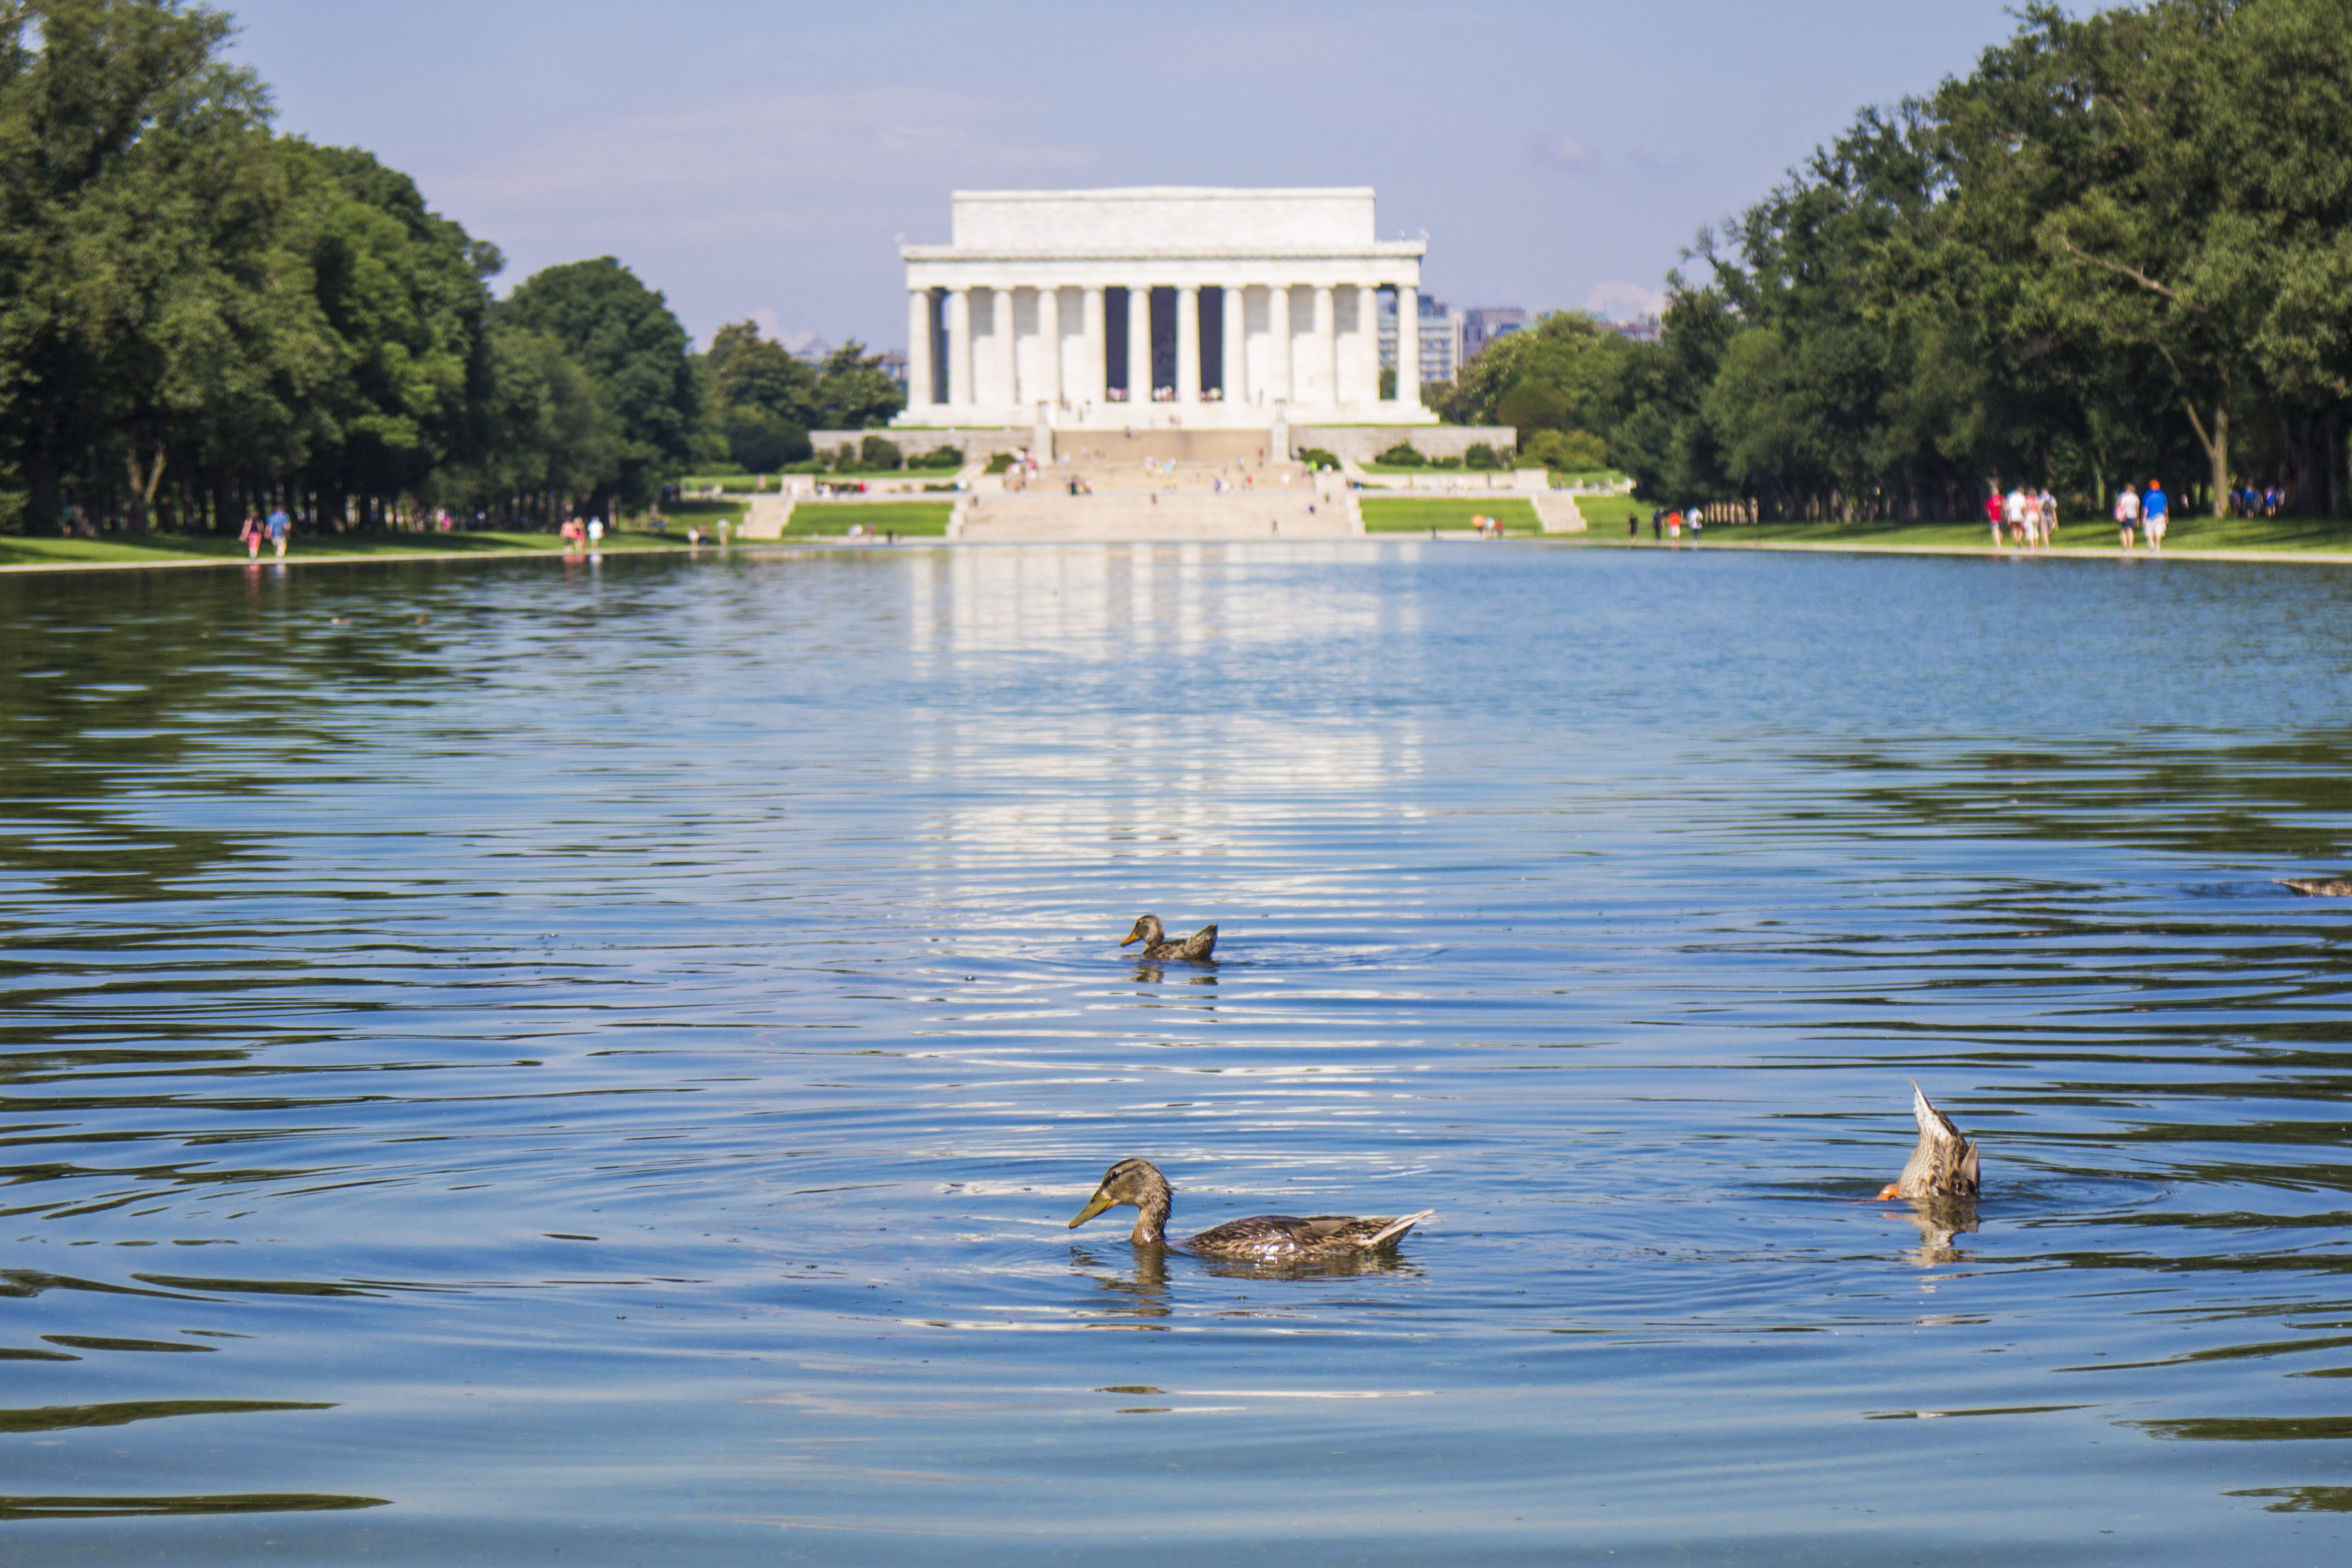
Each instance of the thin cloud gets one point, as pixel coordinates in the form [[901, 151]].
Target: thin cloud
[[1625, 301], [1559, 150]]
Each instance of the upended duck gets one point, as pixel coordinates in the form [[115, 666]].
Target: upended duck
[[1148, 932], [2319, 887], [1261, 1239], [1944, 1165]]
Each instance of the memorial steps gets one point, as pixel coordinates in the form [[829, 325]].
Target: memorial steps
[[1126, 504]]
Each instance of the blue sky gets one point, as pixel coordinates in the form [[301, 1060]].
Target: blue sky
[[763, 160]]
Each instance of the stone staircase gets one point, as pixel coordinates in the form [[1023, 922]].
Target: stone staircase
[[1301, 512]]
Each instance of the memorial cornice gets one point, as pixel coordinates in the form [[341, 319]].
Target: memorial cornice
[[1384, 248]]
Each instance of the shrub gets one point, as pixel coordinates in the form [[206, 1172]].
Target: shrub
[[806, 465], [760, 442], [845, 457], [880, 452], [1317, 458], [1445, 462], [1405, 455], [1000, 463], [938, 457], [1481, 456], [1576, 452]]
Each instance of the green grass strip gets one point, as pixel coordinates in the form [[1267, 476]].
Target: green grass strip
[[1418, 514]]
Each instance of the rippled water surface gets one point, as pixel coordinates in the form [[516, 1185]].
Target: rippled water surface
[[525, 1063]]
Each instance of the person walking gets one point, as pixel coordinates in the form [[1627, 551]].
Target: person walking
[[250, 534], [2126, 514], [1992, 513], [280, 526], [2013, 512], [2156, 511], [2048, 517]]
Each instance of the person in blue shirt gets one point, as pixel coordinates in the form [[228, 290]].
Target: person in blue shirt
[[280, 525], [2155, 512]]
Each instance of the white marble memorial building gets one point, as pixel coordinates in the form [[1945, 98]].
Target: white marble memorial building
[[1158, 307]]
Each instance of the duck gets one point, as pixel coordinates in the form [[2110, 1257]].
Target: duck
[[1261, 1239], [1944, 1165], [1148, 932], [2319, 887]]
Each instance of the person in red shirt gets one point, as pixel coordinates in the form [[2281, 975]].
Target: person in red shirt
[[1992, 515]]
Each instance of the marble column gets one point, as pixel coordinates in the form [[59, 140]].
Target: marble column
[[1188, 344], [1049, 346], [960, 348], [1327, 346], [1233, 361], [1139, 344], [1009, 381], [1364, 379], [1092, 385], [1408, 366], [919, 390], [1277, 331]]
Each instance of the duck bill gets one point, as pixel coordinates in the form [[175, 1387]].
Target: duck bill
[[1095, 1205], [1131, 936]]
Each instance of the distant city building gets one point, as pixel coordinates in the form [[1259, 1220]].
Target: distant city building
[[893, 365], [1643, 330], [1441, 337], [806, 347], [1484, 325]]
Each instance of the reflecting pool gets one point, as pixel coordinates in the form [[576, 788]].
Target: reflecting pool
[[592, 1063]]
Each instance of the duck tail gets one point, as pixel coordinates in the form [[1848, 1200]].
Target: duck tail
[[1395, 1228], [1201, 942]]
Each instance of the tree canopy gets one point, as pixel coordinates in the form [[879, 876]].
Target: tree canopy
[[2120, 247], [200, 317]]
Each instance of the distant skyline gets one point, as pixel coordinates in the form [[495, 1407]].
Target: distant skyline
[[762, 160]]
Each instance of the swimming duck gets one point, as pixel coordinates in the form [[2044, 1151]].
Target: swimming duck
[[2320, 887], [1148, 930], [1944, 1165], [1261, 1239]]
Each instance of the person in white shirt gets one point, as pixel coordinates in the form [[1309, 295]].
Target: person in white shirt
[[2013, 512], [2126, 515]]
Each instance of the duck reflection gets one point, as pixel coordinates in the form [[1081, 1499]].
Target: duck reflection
[[1139, 1287], [1152, 974], [1940, 1221]]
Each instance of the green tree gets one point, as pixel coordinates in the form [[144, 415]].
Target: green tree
[[127, 188], [624, 335], [852, 391]]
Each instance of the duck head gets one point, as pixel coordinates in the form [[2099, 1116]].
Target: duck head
[[1136, 1182], [1147, 931]]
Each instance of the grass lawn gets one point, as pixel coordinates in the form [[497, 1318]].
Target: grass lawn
[[708, 513], [2285, 535], [164, 549], [1606, 514], [907, 519], [1418, 514]]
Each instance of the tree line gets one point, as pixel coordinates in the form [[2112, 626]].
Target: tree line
[[2121, 247], [201, 318]]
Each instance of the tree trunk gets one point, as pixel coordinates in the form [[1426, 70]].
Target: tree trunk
[[143, 485], [2331, 439], [41, 478], [2216, 442]]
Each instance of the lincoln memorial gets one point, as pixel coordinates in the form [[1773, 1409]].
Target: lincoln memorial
[[1162, 307]]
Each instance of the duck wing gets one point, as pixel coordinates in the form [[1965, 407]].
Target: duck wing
[[1201, 944], [2319, 887], [1279, 1236]]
